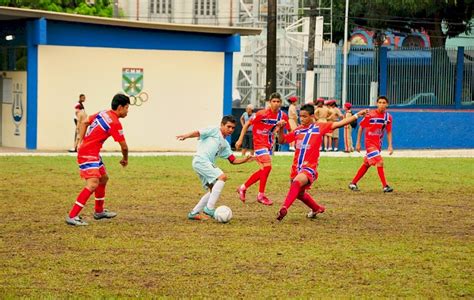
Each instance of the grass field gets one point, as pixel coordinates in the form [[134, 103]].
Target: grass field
[[417, 241]]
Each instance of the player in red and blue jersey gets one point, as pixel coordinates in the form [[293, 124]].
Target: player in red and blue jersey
[[99, 126], [375, 123], [264, 122], [308, 137]]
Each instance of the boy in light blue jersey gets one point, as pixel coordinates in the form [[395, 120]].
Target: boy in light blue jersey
[[212, 144]]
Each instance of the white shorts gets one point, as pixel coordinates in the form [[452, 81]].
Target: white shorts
[[206, 171]]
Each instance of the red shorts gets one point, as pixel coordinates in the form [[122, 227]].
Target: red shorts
[[310, 173], [263, 155], [91, 167], [373, 157]]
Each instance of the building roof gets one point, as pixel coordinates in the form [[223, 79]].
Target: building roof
[[12, 13]]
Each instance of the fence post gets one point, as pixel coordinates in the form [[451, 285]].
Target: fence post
[[459, 78], [383, 51]]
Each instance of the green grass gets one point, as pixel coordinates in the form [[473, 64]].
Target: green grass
[[417, 241]]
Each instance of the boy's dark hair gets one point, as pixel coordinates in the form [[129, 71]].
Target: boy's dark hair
[[81, 95], [228, 118], [309, 108], [119, 99], [383, 98], [275, 95]]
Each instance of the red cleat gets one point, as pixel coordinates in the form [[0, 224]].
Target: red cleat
[[264, 200], [241, 194], [282, 213]]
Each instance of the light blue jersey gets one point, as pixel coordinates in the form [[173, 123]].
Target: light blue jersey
[[211, 145]]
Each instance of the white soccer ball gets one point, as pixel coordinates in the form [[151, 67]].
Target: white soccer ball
[[223, 214]]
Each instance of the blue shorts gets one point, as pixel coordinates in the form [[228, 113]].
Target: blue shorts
[[207, 172]]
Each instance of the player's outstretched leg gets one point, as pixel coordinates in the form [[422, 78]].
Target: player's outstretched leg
[[195, 214], [311, 203], [216, 190], [251, 180], [264, 174], [290, 198], [73, 217], [360, 173]]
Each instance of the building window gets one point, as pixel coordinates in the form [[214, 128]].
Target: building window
[[162, 7], [205, 7], [214, 10], [152, 6]]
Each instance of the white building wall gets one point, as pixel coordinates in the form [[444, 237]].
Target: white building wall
[[185, 91], [14, 133], [183, 11]]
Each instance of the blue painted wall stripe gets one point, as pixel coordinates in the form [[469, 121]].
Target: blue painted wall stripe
[[228, 74], [33, 32], [91, 35], [383, 71], [459, 77]]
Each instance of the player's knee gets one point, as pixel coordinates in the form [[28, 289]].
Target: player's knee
[[92, 184], [104, 179], [380, 165], [223, 177]]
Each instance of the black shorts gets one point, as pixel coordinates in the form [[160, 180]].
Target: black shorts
[[248, 141]]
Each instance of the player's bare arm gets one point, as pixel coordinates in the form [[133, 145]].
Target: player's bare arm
[[82, 130], [124, 147], [359, 135], [238, 161], [192, 134], [346, 121], [389, 139], [238, 144]]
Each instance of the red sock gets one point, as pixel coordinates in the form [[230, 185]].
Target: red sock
[[309, 201], [99, 198], [80, 202], [362, 170], [292, 194], [252, 179], [382, 176], [264, 173]]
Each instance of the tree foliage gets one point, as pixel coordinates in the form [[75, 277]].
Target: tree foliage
[[439, 18], [101, 8]]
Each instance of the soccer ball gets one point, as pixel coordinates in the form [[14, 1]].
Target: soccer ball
[[223, 214]]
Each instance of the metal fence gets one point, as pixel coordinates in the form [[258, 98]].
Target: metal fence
[[410, 77]]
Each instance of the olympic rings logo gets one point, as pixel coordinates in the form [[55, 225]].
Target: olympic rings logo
[[139, 99]]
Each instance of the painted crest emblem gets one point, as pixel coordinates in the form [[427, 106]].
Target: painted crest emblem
[[17, 107], [132, 81]]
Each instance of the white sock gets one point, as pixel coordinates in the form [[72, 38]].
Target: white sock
[[215, 193], [200, 206]]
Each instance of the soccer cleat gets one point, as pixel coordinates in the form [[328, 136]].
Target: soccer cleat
[[76, 221], [282, 213], [313, 214], [387, 189], [208, 211], [197, 217], [105, 215], [264, 200], [241, 192], [353, 187]]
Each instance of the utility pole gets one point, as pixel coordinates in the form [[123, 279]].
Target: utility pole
[[271, 83], [309, 83], [346, 48], [116, 8]]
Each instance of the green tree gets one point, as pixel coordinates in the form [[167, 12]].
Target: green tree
[[439, 18], [101, 8]]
